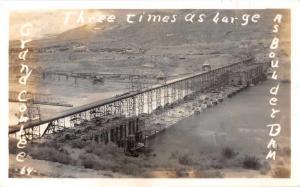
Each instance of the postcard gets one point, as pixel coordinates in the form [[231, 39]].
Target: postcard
[[149, 94]]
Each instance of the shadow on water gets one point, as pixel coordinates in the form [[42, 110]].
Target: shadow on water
[[239, 122]]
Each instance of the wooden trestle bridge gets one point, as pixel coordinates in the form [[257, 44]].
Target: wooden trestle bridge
[[133, 104]]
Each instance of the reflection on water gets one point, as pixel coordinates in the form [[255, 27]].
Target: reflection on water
[[239, 122]]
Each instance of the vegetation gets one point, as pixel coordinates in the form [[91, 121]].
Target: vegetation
[[50, 154], [251, 162], [185, 159], [109, 157], [265, 168], [99, 157], [228, 152], [78, 143]]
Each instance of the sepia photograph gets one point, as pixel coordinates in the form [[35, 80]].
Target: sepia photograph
[[149, 93]]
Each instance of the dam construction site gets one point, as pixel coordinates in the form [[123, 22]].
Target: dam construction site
[[129, 120], [149, 100]]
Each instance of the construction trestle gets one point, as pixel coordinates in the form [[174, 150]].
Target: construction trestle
[[135, 104]]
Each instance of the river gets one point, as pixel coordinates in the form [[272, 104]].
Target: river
[[239, 122]]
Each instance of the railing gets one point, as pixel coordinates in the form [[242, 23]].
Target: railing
[[132, 104]]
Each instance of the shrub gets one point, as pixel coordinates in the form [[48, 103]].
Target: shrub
[[126, 165], [185, 160], [174, 155], [265, 167], [251, 162], [228, 152], [50, 154], [52, 143], [104, 151], [217, 164], [88, 160], [78, 143], [92, 161]]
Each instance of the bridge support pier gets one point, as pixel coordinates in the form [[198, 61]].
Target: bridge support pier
[[133, 105]]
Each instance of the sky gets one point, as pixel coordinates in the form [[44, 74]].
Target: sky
[[45, 22]]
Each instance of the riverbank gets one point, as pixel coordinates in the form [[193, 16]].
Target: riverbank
[[228, 137], [204, 141]]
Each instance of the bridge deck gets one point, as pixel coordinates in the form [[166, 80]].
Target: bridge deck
[[75, 110]]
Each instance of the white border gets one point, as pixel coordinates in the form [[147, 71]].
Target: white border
[[4, 94], [148, 4], [294, 5]]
